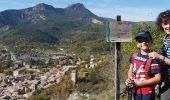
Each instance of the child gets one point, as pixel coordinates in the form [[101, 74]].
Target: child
[[143, 72]]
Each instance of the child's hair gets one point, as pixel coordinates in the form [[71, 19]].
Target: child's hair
[[162, 17]]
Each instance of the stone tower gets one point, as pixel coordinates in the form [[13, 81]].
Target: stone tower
[[74, 75]]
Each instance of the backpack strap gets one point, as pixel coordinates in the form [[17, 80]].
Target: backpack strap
[[148, 65], [134, 55]]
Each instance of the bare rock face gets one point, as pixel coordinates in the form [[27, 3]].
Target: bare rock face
[[6, 28]]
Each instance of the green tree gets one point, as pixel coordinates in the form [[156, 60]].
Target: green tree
[[130, 47]]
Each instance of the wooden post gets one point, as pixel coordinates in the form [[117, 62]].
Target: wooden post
[[117, 65]]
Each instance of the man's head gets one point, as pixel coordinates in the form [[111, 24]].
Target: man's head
[[143, 39]]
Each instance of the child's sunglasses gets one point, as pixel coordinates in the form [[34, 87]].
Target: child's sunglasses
[[140, 40]]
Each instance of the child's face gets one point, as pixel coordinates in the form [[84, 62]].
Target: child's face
[[143, 44], [166, 27]]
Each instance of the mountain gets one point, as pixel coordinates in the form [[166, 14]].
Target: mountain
[[44, 24], [44, 12]]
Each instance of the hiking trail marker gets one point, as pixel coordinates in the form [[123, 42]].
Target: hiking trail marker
[[117, 32]]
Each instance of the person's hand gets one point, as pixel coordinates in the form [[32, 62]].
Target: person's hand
[[129, 83], [154, 55]]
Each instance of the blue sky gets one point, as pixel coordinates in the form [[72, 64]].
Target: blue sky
[[130, 10]]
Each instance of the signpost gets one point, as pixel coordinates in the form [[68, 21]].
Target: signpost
[[119, 32]]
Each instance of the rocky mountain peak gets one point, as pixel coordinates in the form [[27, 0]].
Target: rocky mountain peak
[[79, 11], [43, 6], [76, 6]]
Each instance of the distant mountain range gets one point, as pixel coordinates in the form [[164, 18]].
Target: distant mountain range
[[45, 24], [44, 12]]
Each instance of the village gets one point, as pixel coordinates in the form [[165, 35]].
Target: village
[[21, 85]]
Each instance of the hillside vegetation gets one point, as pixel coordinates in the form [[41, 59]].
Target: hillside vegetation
[[101, 80]]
